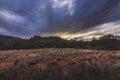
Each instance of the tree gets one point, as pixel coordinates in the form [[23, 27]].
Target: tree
[[110, 37]]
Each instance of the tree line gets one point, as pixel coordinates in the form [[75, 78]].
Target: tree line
[[106, 42]]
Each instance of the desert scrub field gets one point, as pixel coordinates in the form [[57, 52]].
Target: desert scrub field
[[59, 64]]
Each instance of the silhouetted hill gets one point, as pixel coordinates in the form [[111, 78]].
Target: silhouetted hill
[[106, 42], [8, 38], [50, 38]]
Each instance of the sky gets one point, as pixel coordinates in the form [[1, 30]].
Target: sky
[[64, 18]]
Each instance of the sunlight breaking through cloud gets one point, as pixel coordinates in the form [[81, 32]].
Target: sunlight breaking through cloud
[[62, 3], [72, 18]]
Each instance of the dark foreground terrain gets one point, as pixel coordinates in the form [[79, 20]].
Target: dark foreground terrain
[[59, 64]]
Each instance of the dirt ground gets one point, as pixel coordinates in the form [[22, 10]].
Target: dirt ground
[[59, 64]]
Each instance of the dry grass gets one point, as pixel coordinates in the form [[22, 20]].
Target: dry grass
[[59, 64]]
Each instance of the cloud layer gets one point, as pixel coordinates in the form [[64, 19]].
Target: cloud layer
[[24, 18]]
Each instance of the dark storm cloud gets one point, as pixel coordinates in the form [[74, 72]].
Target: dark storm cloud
[[28, 17], [91, 14]]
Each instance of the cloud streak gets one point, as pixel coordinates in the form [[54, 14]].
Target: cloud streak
[[24, 18]]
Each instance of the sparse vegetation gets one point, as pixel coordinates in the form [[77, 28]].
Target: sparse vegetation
[[59, 64], [61, 60]]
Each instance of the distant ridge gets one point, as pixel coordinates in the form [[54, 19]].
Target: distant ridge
[[106, 42], [8, 38]]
